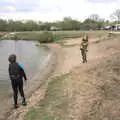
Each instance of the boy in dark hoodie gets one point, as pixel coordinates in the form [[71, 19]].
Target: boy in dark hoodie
[[16, 74]]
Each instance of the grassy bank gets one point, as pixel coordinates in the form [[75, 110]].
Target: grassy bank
[[2, 34], [54, 36], [92, 94], [54, 105]]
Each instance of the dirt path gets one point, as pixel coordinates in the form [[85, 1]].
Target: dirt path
[[68, 58]]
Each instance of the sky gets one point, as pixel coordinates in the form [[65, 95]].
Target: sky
[[55, 10]]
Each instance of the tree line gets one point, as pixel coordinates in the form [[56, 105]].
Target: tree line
[[92, 22]]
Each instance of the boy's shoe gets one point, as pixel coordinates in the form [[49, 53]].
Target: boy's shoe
[[24, 103], [16, 106]]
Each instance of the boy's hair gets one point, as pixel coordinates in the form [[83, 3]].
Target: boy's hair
[[12, 58]]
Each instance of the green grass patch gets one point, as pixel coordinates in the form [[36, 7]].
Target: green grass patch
[[55, 103]]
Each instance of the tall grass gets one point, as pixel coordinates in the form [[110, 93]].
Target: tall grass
[[52, 36]]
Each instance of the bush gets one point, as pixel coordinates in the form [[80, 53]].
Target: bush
[[45, 37]]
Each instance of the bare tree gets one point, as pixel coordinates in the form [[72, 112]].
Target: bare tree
[[94, 17], [116, 15]]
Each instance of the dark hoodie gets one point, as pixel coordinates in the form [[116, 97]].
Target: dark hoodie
[[16, 72]]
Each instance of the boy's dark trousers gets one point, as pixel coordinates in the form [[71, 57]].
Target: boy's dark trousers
[[17, 85]]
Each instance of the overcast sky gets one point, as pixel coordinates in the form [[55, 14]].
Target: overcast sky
[[52, 10]]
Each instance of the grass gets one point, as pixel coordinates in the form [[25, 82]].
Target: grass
[[2, 34], [53, 36], [54, 104]]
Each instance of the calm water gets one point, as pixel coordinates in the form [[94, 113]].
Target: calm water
[[28, 53]]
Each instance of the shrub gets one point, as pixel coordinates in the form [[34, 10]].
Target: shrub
[[45, 37]]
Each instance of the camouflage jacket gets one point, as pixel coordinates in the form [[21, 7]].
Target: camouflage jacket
[[84, 45]]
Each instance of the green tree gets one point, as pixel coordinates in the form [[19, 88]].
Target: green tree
[[3, 25]]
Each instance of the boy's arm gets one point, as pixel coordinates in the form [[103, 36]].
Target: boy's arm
[[81, 46], [23, 73], [9, 71]]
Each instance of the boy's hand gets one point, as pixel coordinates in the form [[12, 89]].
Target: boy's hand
[[25, 82]]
